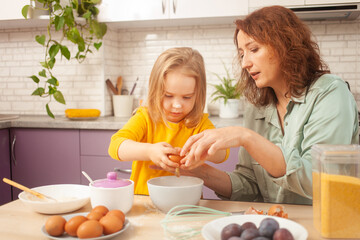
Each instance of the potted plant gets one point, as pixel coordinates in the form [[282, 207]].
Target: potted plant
[[76, 22], [228, 94]]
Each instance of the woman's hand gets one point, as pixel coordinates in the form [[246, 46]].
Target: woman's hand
[[183, 172], [200, 146], [159, 154]]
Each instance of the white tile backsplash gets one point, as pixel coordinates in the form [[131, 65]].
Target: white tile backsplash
[[131, 53]]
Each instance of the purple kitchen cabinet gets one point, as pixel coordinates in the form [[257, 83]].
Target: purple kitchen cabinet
[[5, 189], [95, 160], [227, 166], [44, 156]]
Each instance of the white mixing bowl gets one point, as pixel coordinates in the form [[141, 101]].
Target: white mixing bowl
[[70, 197], [169, 191]]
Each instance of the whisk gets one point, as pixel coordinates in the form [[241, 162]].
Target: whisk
[[185, 221]]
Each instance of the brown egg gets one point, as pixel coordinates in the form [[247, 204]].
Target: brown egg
[[90, 229], [102, 209], [175, 158], [73, 223], [55, 225], [118, 213], [94, 216], [111, 224]]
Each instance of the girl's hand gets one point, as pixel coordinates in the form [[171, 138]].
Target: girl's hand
[[158, 154]]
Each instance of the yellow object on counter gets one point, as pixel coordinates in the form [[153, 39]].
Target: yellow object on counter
[[82, 113], [336, 205]]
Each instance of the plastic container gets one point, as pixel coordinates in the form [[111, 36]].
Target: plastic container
[[112, 192], [336, 190]]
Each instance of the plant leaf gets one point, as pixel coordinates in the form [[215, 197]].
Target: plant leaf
[[94, 1], [94, 10], [73, 35], [35, 78], [59, 97], [39, 91], [44, 64], [24, 11], [80, 56], [52, 89], [53, 81], [75, 4], [81, 44], [54, 49], [59, 22], [40, 39], [65, 52], [97, 45], [49, 111], [99, 29], [51, 62], [56, 7], [42, 73], [87, 15], [68, 16]]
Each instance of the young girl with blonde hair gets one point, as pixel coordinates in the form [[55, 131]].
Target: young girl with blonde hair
[[173, 113]]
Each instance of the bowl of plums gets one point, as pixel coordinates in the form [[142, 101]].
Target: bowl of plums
[[255, 225]]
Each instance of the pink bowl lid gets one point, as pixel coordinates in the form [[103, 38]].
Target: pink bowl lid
[[111, 181]]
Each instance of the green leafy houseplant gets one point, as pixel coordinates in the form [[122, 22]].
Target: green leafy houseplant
[[227, 89], [82, 30]]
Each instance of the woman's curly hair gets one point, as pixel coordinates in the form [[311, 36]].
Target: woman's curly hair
[[291, 40]]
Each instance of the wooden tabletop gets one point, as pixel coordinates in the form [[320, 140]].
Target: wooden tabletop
[[18, 222]]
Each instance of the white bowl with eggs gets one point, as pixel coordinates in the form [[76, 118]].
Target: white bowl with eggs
[[170, 191], [69, 197]]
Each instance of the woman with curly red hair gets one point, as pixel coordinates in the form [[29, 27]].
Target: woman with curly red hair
[[293, 103]]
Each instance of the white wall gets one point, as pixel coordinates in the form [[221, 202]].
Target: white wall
[[131, 54]]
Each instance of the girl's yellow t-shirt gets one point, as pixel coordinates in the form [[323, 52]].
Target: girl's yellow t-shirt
[[140, 128]]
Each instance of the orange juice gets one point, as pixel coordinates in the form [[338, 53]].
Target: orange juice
[[337, 206], [336, 190]]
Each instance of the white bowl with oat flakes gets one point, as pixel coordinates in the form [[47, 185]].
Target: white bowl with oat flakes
[[69, 197]]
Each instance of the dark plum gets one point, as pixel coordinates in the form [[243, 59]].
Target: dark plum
[[267, 227], [247, 225], [250, 233], [261, 238], [283, 234], [233, 229]]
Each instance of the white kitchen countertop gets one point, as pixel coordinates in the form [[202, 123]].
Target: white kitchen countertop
[[101, 123]]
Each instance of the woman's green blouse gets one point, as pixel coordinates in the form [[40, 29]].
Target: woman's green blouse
[[326, 114]]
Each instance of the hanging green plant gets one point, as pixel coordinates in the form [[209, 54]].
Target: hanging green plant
[[82, 30]]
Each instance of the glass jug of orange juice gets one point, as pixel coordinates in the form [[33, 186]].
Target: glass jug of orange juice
[[336, 190]]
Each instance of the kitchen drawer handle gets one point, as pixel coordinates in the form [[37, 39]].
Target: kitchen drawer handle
[[174, 6], [163, 6], [13, 151], [122, 170]]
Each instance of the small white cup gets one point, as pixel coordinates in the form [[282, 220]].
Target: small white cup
[[121, 198], [123, 105]]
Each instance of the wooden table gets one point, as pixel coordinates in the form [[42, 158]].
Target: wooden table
[[18, 222]]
